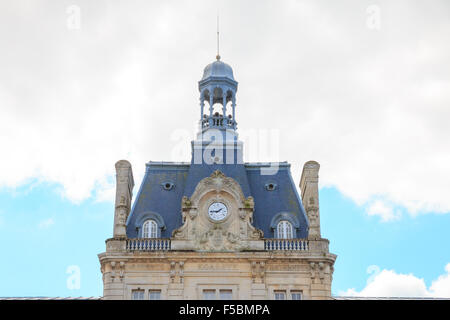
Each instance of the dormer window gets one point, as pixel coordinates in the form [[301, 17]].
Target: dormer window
[[270, 186], [284, 230], [150, 229], [168, 185]]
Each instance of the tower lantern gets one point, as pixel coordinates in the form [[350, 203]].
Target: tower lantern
[[218, 86]]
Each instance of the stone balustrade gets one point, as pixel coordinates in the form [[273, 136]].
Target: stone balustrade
[[148, 244], [286, 245], [218, 121]]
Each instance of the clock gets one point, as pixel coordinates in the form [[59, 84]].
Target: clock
[[217, 211]]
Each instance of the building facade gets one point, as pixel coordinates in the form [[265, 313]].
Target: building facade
[[217, 227]]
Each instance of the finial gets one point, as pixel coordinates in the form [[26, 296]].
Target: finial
[[218, 55]]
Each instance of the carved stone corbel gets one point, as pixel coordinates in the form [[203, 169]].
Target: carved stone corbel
[[321, 271], [312, 266], [121, 270], [254, 271], [181, 272], [113, 272], [262, 271], [172, 271]]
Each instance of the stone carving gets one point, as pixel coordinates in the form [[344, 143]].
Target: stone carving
[[217, 174], [117, 268], [234, 233], [181, 271], [186, 202], [173, 272], [249, 203], [318, 271], [258, 271]]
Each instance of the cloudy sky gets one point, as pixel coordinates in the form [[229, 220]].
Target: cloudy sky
[[363, 87]]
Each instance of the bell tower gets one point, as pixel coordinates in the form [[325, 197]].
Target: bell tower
[[217, 138], [218, 86]]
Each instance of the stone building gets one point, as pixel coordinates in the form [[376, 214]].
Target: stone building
[[217, 227]]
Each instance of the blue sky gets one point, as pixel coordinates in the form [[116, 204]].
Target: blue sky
[[39, 253], [417, 245], [362, 87]]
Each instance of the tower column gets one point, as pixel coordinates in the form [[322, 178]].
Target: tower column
[[211, 101], [202, 106], [309, 187], [224, 108], [124, 188], [233, 106]]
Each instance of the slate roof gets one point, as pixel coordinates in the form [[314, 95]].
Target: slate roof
[[154, 198]]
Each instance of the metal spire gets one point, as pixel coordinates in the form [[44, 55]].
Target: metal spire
[[218, 55]]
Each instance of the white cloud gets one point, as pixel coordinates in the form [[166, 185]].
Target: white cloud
[[382, 209], [441, 286], [44, 224], [370, 106], [388, 283]]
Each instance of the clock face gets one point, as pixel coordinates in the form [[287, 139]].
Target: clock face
[[217, 211]]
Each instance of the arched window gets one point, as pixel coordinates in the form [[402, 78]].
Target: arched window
[[284, 230], [150, 229]]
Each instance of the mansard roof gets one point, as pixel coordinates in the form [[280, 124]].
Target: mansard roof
[[165, 184]]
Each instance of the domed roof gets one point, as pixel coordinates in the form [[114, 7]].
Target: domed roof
[[218, 69]]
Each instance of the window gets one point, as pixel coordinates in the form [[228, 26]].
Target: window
[[154, 295], [150, 229], [284, 230], [226, 294], [270, 186], [296, 295], [168, 186], [279, 295], [209, 294], [137, 294]]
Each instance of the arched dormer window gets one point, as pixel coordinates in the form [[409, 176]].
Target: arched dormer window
[[146, 223], [150, 229], [284, 230], [285, 225]]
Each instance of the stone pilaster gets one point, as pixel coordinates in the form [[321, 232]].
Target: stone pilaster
[[309, 187]]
